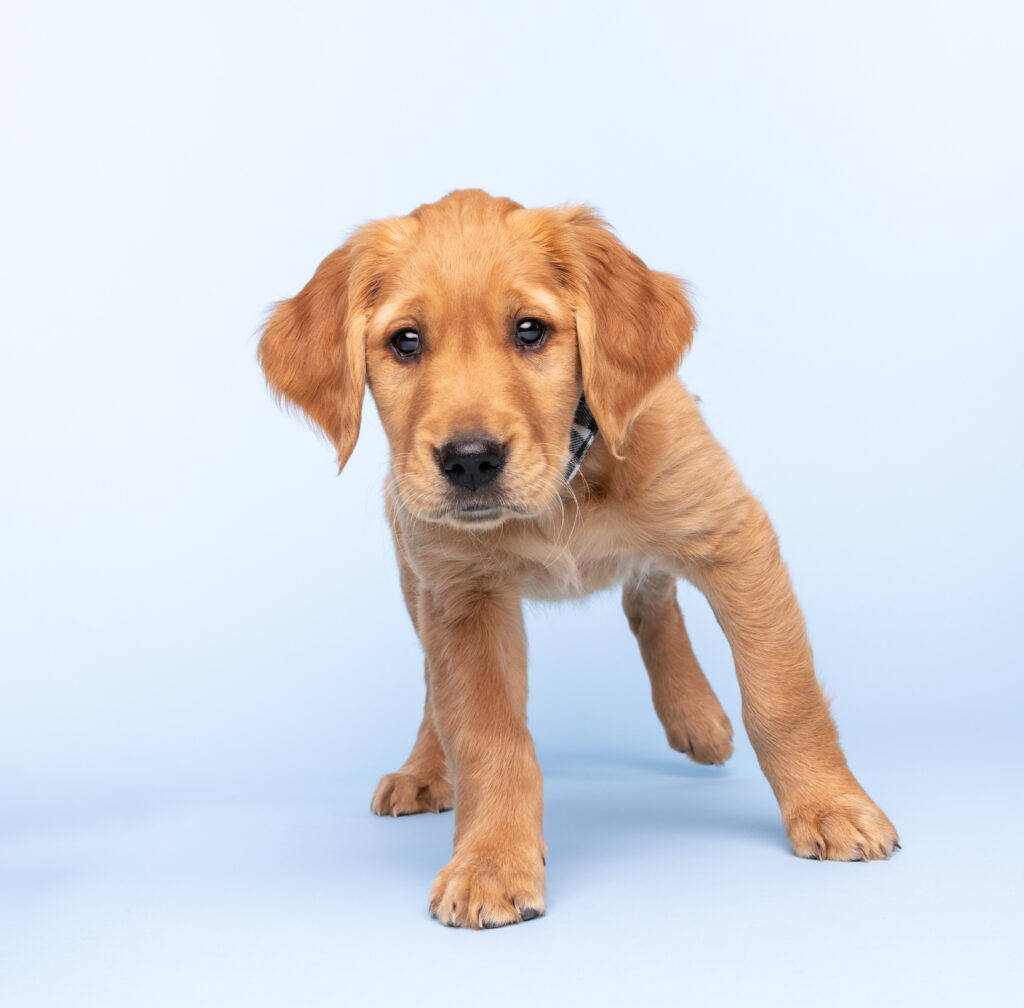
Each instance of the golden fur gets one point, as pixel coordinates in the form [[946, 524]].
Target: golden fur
[[657, 499]]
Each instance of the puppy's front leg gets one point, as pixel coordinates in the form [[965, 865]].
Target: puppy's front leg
[[476, 647], [825, 811]]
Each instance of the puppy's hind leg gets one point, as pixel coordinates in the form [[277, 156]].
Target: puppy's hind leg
[[687, 707], [421, 784]]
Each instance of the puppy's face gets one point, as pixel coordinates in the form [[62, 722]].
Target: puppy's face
[[478, 325], [472, 358]]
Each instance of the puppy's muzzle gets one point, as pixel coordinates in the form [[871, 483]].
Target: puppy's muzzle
[[471, 462]]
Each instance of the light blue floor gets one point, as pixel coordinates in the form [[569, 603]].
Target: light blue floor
[[668, 884]]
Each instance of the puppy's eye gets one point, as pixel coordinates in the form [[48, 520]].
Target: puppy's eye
[[531, 332], [406, 342]]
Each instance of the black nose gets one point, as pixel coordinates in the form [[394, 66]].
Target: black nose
[[471, 462]]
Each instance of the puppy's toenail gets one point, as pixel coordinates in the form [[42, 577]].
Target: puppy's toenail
[[528, 914]]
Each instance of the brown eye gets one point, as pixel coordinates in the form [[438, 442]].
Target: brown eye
[[406, 342], [531, 332]]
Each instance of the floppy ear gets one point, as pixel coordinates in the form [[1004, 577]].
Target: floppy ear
[[633, 324], [313, 355]]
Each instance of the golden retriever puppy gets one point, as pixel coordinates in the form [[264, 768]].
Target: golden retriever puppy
[[499, 344]]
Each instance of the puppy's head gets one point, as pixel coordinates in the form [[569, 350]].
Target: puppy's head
[[478, 324]]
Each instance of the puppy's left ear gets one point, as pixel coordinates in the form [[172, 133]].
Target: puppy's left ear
[[633, 324]]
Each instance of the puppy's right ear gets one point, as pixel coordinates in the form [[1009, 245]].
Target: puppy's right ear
[[313, 355]]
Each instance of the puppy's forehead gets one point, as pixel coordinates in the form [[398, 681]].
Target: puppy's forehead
[[470, 252]]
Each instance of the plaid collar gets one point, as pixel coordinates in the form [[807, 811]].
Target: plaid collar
[[581, 437]]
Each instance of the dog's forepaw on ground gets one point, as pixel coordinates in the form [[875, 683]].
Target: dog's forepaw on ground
[[842, 829], [488, 891], [400, 794]]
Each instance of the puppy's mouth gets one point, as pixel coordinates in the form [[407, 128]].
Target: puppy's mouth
[[452, 499], [480, 514]]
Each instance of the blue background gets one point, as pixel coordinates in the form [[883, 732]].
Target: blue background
[[206, 664]]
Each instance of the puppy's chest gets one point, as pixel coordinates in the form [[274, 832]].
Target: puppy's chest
[[563, 578], [571, 567]]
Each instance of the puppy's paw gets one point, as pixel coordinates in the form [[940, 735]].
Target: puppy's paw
[[705, 736], [484, 890], [845, 828], [400, 794]]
